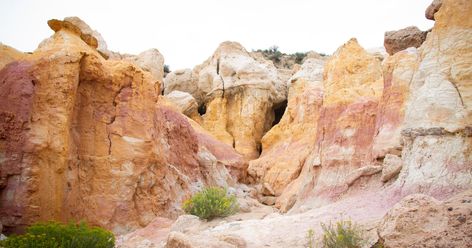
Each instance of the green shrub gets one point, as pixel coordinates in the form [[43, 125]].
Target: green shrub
[[299, 57], [210, 203], [166, 69], [343, 234], [58, 235], [310, 239]]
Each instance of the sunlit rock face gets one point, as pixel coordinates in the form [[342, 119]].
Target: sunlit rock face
[[82, 137], [324, 138], [402, 124], [286, 146], [9, 54], [438, 116], [237, 91]]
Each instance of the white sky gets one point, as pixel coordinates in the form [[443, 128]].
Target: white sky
[[187, 32]]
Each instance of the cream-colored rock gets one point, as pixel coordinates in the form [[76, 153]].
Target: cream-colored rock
[[237, 91], [379, 52], [179, 240], [183, 80], [438, 118], [150, 60], [240, 92], [185, 102], [392, 165]]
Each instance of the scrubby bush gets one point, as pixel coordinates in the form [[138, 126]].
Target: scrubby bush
[[299, 57], [166, 69], [310, 239], [343, 234], [58, 235], [210, 203]]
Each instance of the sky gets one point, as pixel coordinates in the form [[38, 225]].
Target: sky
[[188, 32]]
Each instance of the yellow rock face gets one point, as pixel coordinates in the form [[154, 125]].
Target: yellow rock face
[[352, 74], [287, 144], [239, 93], [240, 120], [9, 54]]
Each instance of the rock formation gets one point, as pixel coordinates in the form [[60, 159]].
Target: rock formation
[[395, 41], [383, 140], [82, 137], [185, 104], [238, 93], [422, 221], [373, 122], [432, 9], [278, 165]]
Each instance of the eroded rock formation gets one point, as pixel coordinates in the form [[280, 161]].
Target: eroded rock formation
[[375, 121], [238, 93], [86, 137], [82, 137]]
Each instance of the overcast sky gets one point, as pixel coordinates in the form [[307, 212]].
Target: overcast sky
[[187, 32]]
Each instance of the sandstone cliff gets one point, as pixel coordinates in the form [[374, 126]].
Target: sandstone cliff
[[83, 137], [382, 139], [237, 93]]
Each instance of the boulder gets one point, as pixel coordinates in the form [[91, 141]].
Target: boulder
[[422, 221], [74, 24], [432, 9], [183, 80], [151, 61], [185, 103], [392, 165], [395, 41]]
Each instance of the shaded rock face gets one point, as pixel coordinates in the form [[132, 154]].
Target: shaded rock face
[[422, 221], [82, 137], [238, 93], [395, 41]]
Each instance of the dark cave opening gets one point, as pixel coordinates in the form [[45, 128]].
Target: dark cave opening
[[279, 111], [202, 109]]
